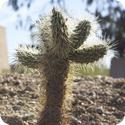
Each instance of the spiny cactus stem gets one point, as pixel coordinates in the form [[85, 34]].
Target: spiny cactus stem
[[29, 59], [81, 32], [55, 73], [88, 55], [61, 44]]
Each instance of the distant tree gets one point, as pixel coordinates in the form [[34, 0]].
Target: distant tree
[[16, 4], [110, 13]]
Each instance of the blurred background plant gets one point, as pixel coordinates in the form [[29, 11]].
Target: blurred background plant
[[77, 69], [19, 68], [89, 69]]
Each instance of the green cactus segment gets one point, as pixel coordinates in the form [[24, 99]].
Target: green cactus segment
[[28, 57], [61, 45], [53, 60], [80, 34], [55, 71], [88, 55]]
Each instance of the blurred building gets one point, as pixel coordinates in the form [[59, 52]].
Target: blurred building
[[118, 67], [118, 64], [3, 50]]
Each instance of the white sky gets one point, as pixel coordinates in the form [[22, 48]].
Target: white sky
[[122, 2], [8, 19], [2, 2]]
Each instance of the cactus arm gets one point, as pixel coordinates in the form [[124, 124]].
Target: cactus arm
[[28, 56], [88, 55], [61, 45], [80, 34]]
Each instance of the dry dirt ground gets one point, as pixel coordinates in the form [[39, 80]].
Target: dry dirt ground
[[97, 100]]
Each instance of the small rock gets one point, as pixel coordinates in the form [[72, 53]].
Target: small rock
[[16, 108], [28, 88], [20, 103], [11, 93], [2, 122], [99, 110], [122, 122], [3, 91], [13, 120], [119, 114], [17, 82]]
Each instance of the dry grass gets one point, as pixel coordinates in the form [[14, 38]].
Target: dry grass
[[89, 69]]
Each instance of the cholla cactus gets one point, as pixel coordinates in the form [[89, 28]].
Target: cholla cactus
[[52, 57]]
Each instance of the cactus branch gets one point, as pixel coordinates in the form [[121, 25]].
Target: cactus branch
[[88, 55], [61, 45], [28, 56], [80, 34]]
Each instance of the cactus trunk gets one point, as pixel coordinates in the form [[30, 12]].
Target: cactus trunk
[[55, 73]]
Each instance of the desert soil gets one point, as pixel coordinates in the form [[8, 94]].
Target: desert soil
[[97, 100]]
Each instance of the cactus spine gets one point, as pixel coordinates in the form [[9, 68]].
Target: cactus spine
[[60, 49]]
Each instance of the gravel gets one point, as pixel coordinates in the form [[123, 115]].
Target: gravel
[[96, 100]]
